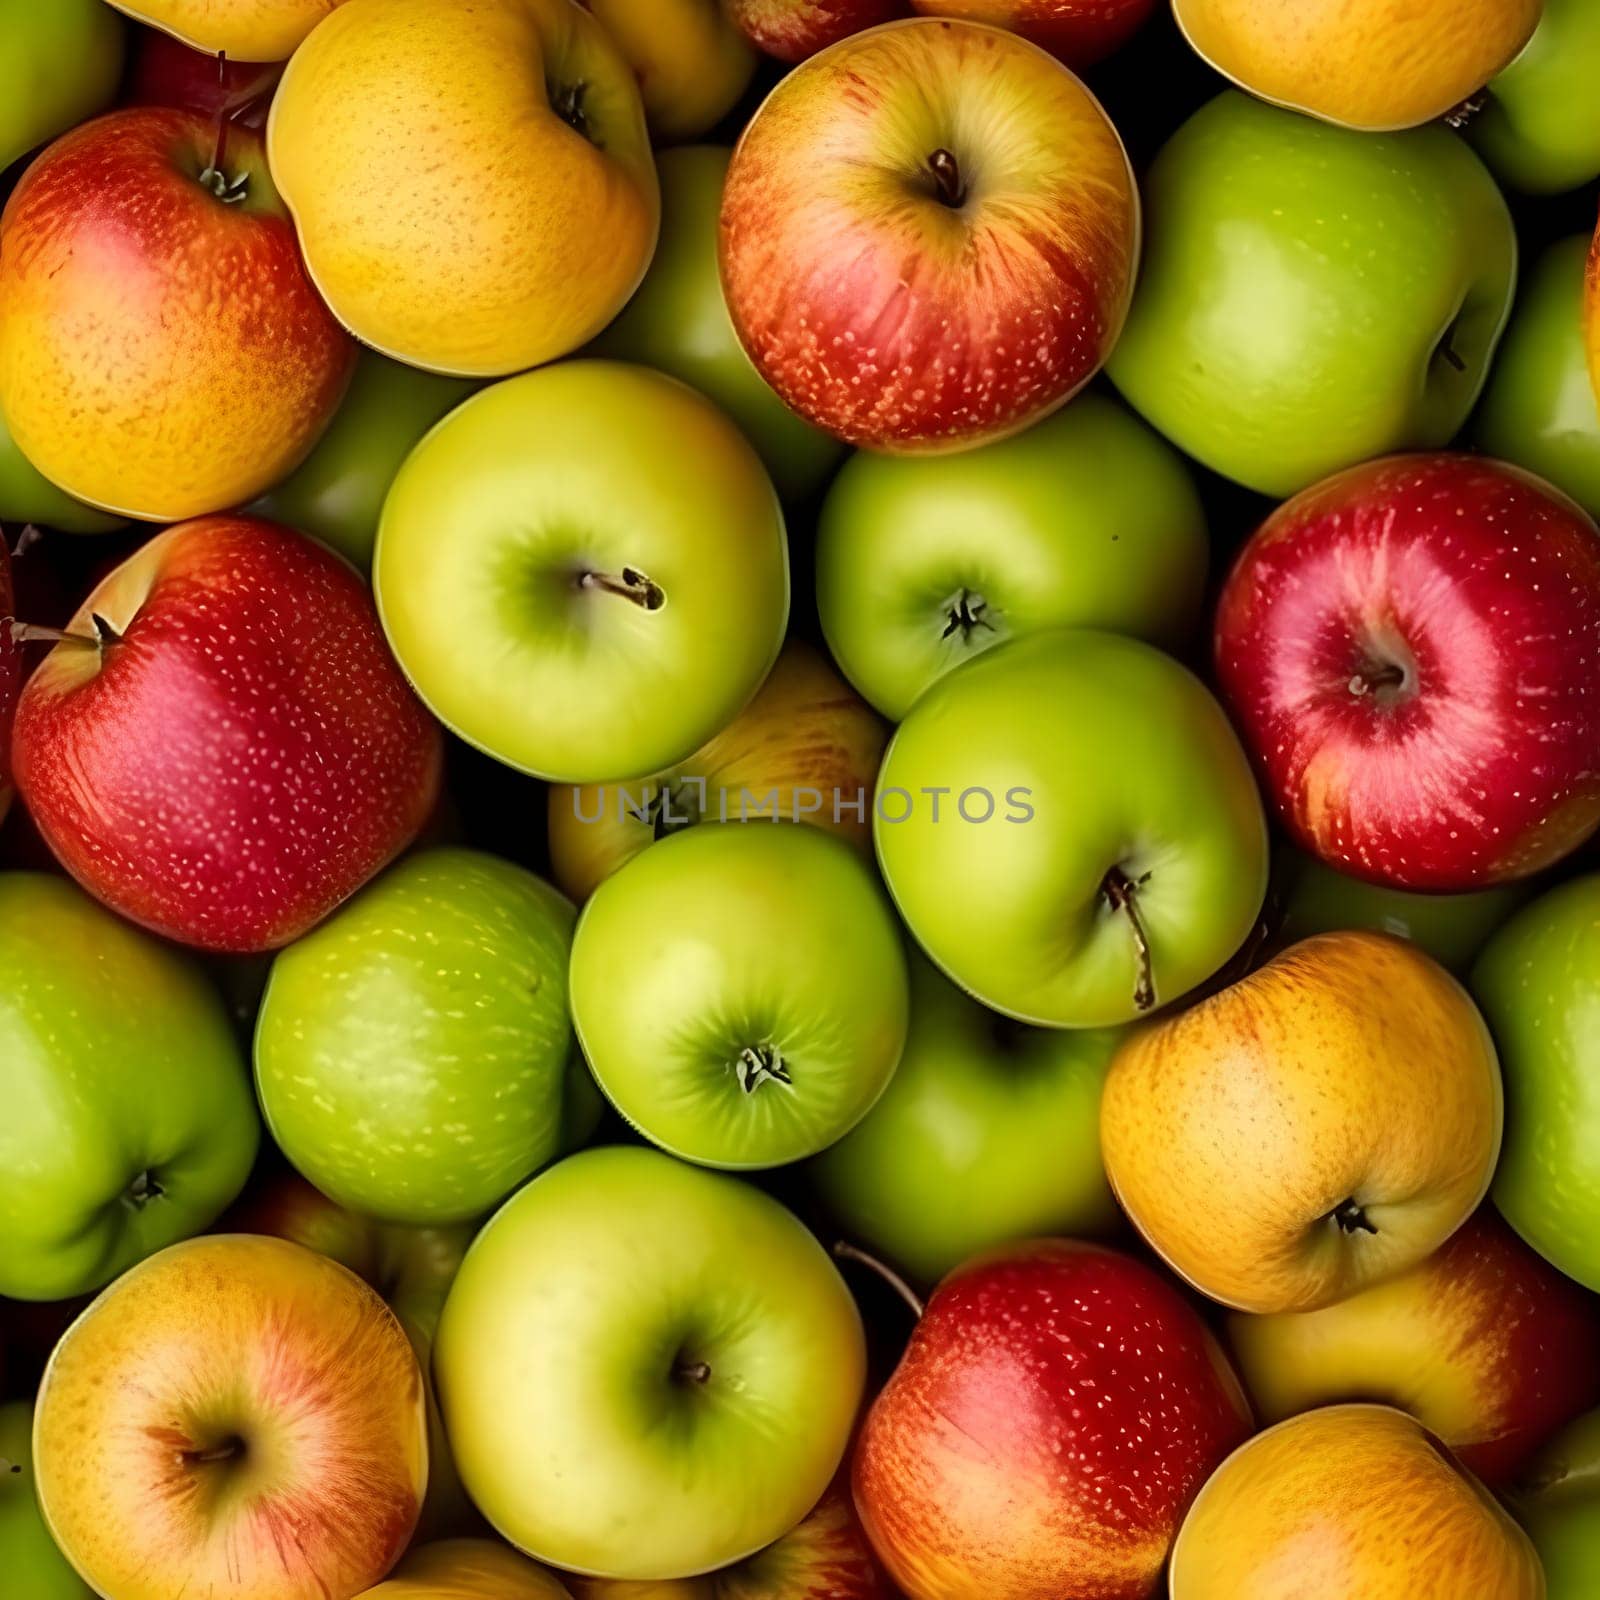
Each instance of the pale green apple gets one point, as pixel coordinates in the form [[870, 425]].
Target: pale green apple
[[647, 1370], [60, 61], [32, 1566], [127, 1121], [337, 492], [1558, 1502], [1538, 982], [1539, 409], [583, 571], [989, 1132], [1087, 519], [1071, 830], [26, 495], [678, 321], [1312, 296], [411, 1052], [740, 992]]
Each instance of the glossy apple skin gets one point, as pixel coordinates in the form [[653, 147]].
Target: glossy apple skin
[[279, 1360], [249, 693], [889, 317], [10, 672], [1276, 349], [988, 1132], [1536, 984], [246, 30], [411, 1053], [1056, 1408], [1320, 1126], [791, 30], [1406, 650], [1078, 33], [468, 1569], [1101, 756], [1278, 1519], [730, 941], [166, 72], [129, 1120], [806, 748], [1487, 1345], [556, 1358], [26, 495], [548, 480], [162, 351], [62, 65], [35, 1568], [1540, 127], [677, 321], [1087, 519], [1558, 1502], [1539, 410]]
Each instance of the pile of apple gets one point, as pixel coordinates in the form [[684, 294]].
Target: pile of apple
[[783, 830]]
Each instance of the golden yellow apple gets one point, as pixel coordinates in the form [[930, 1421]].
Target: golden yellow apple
[[473, 185], [1315, 1128], [246, 30], [1349, 1503], [468, 1569]]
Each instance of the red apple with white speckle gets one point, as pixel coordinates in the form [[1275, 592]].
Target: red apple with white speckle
[[223, 748], [1078, 32], [791, 30], [1058, 1406], [1411, 651], [929, 234]]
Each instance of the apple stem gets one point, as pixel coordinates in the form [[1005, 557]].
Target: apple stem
[[692, 1371], [32, 633], [630, 585], [845, 1251], [946, 172], [1121, 894], [225, 1451]]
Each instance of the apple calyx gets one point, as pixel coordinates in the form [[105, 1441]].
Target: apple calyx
[[630, 584], [142, 1191], [950, 187], [1461, 116], [695, 1372], [966, 611], [1121, 894], [1351, 1217], [843, 1250], [758, 1064], [1387, 681]]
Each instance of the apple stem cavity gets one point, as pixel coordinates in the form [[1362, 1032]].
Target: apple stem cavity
[[1352, 1218], [225, 1451], [142, 1191], [695, 1372], [845, 1251], [949, 185], [567, 103], [966, 612], [759, 1064], [1384, 680], [1121, 893], [630, 584]]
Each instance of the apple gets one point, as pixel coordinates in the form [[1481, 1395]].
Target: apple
[[411, 1052], [1558, 1502], [740, 992], [220, 747], [1539, 409], [1056, 1408], [1315, 1128], [806, 749], [1364, 64], [677, 321], [1539, 127], [988, 1132], [35, 1569], [791, 30], [1070, 829], [1407, 650], [439, 141], [1488, 1346], [62, 65], [10, 673], [129, 1121], [1354, 1500], [165, 72], [1313, 297], [616, 581], [1088, 519], [953, 260], [647, 1370], [27, 496], [1077, 33], [236, 1415], [1536, 984], [247, 30], [468, 1569]]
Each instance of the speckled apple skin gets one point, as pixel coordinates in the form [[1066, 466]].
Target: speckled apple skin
[[791, 30], [1058, 1405], [1486, 766], [245, 756], [883, 315], [248, 30], [162, 354], [232, 1338], [10, 674], [1077, 33]]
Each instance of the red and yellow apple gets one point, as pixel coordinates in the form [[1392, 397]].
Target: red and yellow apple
[[468, 1569], [929, 235], [1076, 32], [245, 30], [162, 351], [791, 30]]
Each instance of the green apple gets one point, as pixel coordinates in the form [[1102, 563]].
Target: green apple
[[678, 321], [337, 493], [740, 992], [1312, 296], [583, 571], [1538, 982], [1539, 410], [989, 1132], [61, 62], [647, 1370], [1539, 127], [412, 1050], [128, 1122], [1071, 830], [34, 1568], [26, 495], [1558, 1502], [1086, 520]]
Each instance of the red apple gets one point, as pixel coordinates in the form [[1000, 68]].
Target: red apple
[[1077, 32], [1411, 650], [10, 674], [223, 748], [164, 72], [929, 235], [1058, 1406], [791, 30]]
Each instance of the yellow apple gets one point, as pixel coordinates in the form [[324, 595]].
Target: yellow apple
[[246, 30], [468, 1569]]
